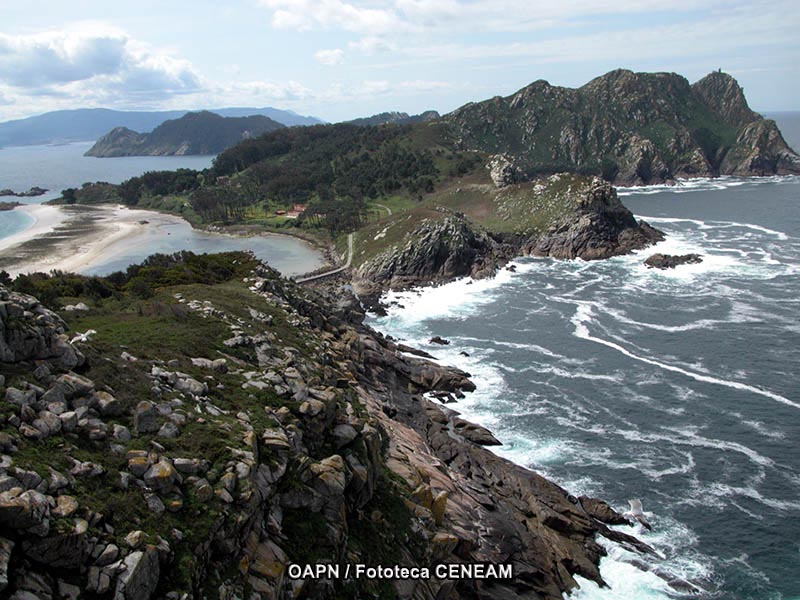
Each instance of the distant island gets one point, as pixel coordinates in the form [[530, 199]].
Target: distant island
[[31, 193], [198, 133], [88, 124]]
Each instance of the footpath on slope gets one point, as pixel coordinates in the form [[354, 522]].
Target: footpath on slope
[[336, 270]]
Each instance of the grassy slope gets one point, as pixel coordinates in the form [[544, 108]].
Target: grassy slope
[[162, 328]]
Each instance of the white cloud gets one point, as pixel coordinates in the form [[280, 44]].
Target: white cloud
[[304, 15], [261, 92], [329, 57], [371, 18], [372, 45], [91, 58]]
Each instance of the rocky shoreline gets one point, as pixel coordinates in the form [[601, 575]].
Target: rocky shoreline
[[598, 226], [344, 421]]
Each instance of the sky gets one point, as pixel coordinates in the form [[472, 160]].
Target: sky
[[342, 59]]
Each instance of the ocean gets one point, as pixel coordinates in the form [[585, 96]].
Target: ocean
[[677, 387], [58, 167]]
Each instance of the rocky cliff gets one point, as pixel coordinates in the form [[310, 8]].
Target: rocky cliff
[[195, 444], [194, 133], [631, 128], [561, 216]]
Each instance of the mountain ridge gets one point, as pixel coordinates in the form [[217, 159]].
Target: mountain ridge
[[632, 128], [199, 133], [88, 124]]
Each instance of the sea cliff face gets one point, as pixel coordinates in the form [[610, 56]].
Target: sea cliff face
[[633, 128], [198, 442]]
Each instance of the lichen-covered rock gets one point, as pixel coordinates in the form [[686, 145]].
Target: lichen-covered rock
[[161, 476], [145, 417], [28, 331]]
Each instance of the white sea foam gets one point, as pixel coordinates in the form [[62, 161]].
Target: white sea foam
[[705, 183], [732, 252]]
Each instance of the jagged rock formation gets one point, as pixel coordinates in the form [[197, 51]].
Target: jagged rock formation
[[670, 261], [194, 133], [562, 216], [503, 171], [29, 331], [439, 249], [599, 227], [631, 128], [178, 476]]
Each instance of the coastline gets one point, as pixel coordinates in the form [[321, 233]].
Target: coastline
[[46, 218], [78, 238]]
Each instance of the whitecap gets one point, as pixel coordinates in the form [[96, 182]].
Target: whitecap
[[583, 314]]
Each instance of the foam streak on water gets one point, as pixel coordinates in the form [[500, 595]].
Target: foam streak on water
[[677, 387]]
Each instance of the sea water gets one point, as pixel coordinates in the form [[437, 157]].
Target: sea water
[[57, 167], [678, 387]]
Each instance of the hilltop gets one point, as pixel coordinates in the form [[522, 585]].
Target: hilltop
[[398, 118], [194, 133]]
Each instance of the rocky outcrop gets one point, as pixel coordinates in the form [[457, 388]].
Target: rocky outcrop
[[29, 331], [631, 128], [31, 193], [760, 150], [324, 447], [600, 227], [670, 261], [439, 249], [502, 171], [587, 221]]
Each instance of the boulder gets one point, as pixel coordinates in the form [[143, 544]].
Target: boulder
[[670, 261], [108, 405], [161, 476], [139, 579], [145, 417], [27, 511]]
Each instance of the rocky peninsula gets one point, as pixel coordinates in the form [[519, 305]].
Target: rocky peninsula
[[138, 462]]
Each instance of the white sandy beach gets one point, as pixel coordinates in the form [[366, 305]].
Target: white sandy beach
[[46, 219], [113, 226]]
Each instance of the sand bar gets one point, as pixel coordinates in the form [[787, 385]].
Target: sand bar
[[74, 238]]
